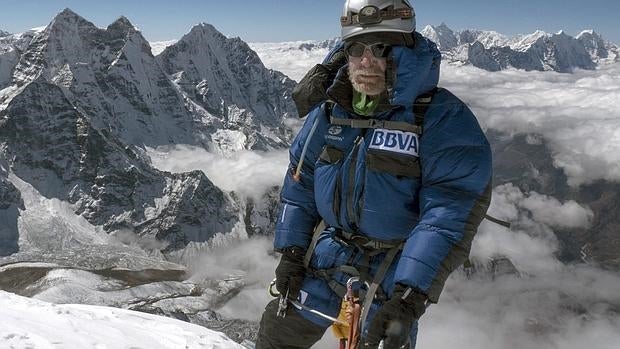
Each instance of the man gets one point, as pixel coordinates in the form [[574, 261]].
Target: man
[[398, 171]]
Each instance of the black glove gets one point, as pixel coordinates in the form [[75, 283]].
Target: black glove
[[311, 90], [291, 271], [394, 319]]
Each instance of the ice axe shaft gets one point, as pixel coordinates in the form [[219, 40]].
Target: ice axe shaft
[[283, 305], [298, 305]]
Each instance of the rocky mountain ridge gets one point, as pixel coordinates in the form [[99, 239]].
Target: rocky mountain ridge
[[80, 104], [226, 78], [113, 77]]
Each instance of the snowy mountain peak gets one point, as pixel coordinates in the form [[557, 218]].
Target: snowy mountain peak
[[598, 48], [67, 16], [203, 32], [442, 35], [230, 81], [590, 33], [523, 43], [444, 27], [3, 33], [122, 24]]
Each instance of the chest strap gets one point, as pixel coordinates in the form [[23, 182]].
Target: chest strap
[[376, 123]]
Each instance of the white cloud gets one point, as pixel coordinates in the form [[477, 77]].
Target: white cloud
[[568, 308], [246, 172], [287, 58], [530, 243], [251, 259], [548, 305], [578, 114], [550, 211]]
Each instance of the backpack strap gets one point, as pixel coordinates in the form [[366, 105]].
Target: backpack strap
[[420, 106], [375, 123]]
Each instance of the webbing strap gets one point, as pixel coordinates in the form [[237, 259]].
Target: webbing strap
[[370, 294], [327, 275], [366, 243], [315, 238], [498, 221], [375, 123]]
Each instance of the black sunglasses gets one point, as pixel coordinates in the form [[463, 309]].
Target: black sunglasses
[[356, 49]]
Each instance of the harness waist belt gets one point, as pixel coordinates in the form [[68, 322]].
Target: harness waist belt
[[367, 242]]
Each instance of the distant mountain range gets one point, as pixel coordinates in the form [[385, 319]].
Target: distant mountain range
[[541, 51], [488, 50]]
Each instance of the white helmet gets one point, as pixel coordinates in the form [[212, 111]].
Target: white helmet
[[372, 16]]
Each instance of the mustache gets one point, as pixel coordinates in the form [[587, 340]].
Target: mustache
[[371, 72]]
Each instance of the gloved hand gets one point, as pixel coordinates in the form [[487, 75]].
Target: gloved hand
[[290, 272], [311, 90], [392, 322]]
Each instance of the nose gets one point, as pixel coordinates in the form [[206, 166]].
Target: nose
[[367, 58]]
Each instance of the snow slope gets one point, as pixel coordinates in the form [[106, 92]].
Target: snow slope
[[29, 323]]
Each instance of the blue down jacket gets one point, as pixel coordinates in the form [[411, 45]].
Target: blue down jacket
[[433, 200]]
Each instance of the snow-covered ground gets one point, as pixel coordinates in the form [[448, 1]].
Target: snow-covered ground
[[34, 324]]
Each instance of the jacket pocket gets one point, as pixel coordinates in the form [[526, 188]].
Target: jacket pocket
[[396, 164], [331, 154]]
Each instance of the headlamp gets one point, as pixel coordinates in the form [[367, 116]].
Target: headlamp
[[370, 15]]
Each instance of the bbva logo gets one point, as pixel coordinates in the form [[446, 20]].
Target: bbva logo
[[396, 141]]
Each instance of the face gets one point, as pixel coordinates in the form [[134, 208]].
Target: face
[[367, 73]]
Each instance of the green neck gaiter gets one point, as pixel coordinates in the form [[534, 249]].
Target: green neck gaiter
[[363, 104]]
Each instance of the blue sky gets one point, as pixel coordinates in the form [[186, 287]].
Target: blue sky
[[271, 20]]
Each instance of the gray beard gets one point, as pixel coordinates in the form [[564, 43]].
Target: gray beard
[[372, 89]]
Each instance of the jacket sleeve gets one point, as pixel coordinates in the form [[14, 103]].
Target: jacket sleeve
[[454, 197], [298, 213]]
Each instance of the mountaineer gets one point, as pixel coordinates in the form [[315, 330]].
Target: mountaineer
[[389, 179]]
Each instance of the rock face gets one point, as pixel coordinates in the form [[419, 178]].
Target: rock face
[[11, 48], [492, 51], [10, 202], [227, 79], [111, 77], [49, 141]]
